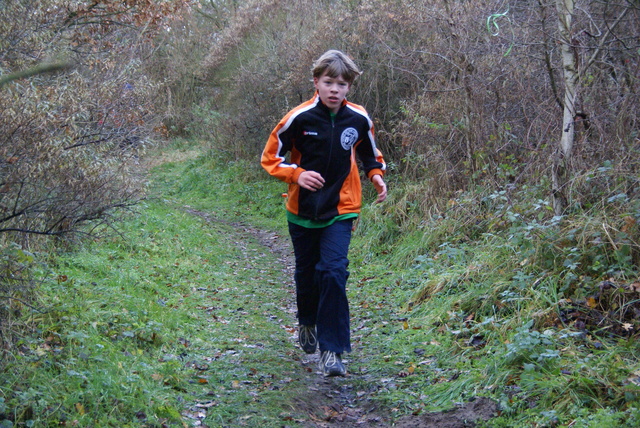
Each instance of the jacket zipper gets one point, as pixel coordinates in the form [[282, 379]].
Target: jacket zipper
[[326, 168]]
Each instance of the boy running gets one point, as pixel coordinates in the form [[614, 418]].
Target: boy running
[[322, 137]]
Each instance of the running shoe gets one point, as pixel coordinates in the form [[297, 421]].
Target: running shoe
[[331, 364], [307, 338]]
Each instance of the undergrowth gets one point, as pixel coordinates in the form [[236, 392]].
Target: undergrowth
[[494, 296]]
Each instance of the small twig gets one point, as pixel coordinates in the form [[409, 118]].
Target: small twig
[[38, 69], [23, 302], [613, 244]]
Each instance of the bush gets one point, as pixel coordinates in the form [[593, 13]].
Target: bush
[[71, 142]]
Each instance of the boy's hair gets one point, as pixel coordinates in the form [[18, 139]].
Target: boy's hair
[[336, 64]]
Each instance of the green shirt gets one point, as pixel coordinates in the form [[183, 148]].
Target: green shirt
[[316, 224]]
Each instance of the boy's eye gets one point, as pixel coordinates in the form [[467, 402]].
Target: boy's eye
[[331, 82]]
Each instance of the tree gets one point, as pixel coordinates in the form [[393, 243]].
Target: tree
[[562, 159], [574, 72], [69, 141]]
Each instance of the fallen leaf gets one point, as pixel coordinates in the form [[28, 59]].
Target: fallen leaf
[[194, 415], [635, 380], [207, 404], [629, 222], [80, 409]]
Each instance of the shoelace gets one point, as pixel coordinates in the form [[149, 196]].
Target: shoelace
[[330, 359], [307, 336]]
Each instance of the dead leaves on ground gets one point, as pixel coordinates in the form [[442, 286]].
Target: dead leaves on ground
[[613, 310]]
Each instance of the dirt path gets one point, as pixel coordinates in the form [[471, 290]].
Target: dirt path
[[328, 402], [332, 402]]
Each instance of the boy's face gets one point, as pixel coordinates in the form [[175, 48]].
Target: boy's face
[[332, 90]]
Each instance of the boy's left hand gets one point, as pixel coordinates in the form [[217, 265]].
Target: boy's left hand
[[380, 186]]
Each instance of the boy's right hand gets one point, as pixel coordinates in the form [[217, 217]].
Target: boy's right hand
[[311, 181]]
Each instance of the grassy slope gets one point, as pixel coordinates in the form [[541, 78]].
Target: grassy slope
[[490, 314], [170, 321], [161, 320]]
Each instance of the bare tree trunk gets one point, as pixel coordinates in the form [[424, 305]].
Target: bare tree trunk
[[466, 69], [562, 159]]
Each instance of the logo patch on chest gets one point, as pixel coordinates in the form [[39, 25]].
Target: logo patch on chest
[[348, 138]]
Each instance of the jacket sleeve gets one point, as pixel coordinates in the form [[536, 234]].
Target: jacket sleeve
[[274, 154], [372, 161]]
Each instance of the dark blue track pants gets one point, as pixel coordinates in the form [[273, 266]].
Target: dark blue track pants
[[321, 277]]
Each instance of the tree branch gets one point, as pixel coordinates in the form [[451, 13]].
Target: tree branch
[[602, 42], [38, 69], [23, 302]]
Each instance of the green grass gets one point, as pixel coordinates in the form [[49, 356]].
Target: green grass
[[183, 313], [140, 327], [132, 321], [489, 316]]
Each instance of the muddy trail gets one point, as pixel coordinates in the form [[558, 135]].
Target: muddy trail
[[335, 402]]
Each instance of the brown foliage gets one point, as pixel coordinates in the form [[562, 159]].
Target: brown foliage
[[244, 21], [70, 141], [461, 91]]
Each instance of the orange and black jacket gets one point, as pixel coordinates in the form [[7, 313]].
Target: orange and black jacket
[[318, 142]]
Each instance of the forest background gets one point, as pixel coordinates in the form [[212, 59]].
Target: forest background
[[507, 124]]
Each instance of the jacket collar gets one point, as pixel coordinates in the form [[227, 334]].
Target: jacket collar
[[319, 102]]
